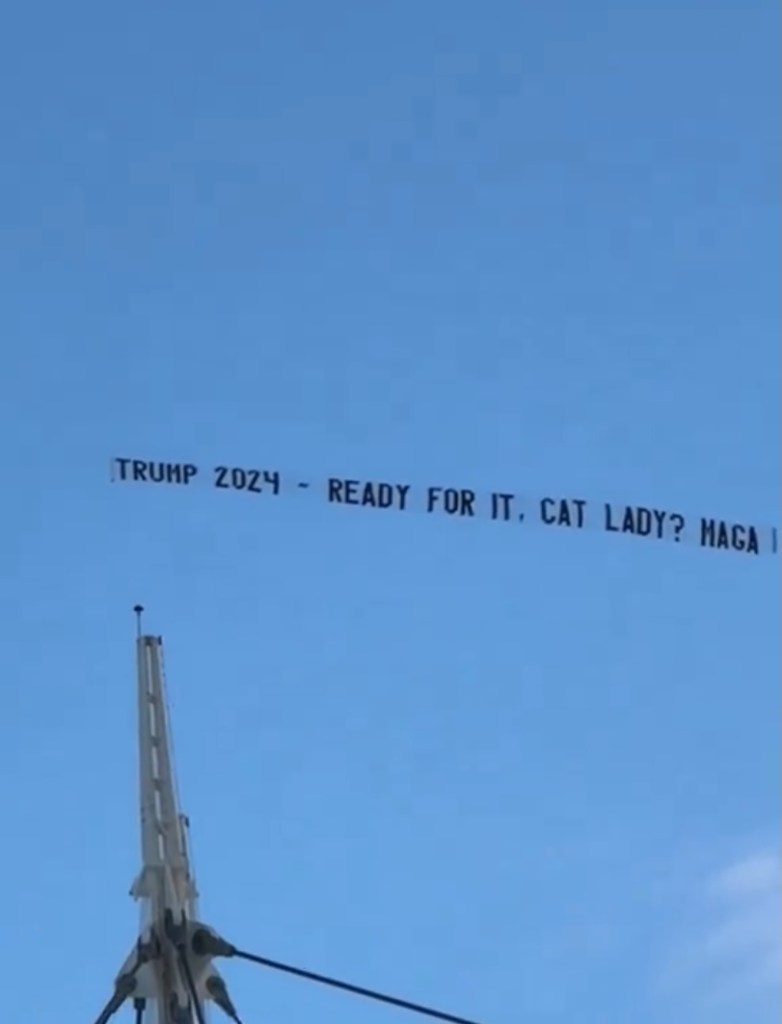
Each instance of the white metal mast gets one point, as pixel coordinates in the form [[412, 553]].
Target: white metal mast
[[164, 974], [169, 975]]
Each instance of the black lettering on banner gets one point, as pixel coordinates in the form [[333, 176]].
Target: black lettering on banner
[[563, 512], [678, 525], [501, 506], [716, 533], [236, 478], [367, 493], [461, 502], [335, 489], [141, 471], [272, 478], [642, 521], [454, 501]]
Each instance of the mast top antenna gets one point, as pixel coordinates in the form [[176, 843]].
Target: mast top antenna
[[138, 609]]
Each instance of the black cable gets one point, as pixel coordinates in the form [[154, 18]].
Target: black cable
[[139, 1005], [346, 986], [122, 990], [108, 1010], [191, 985]]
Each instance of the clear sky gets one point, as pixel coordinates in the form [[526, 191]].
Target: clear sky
[[526, 773]]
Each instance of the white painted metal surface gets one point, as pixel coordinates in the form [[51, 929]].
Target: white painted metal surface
[[154, 977]]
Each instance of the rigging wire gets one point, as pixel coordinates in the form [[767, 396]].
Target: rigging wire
[[199, 1011], [359, 990]]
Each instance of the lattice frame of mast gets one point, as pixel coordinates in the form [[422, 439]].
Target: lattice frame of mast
[[167, 976]]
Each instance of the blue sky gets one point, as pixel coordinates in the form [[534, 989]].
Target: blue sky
[[526, 775]]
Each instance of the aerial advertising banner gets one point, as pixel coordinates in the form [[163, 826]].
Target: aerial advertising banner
[[441, 499]]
